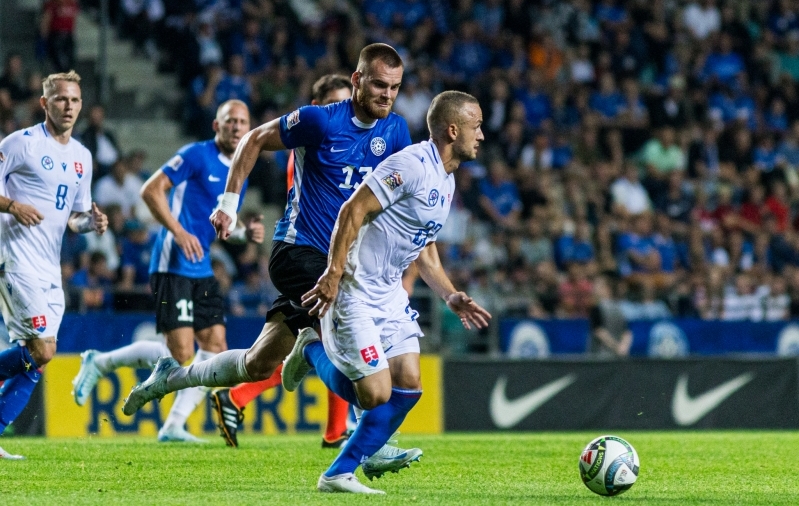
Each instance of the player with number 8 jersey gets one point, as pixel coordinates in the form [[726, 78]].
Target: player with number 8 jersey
[[45, 187]]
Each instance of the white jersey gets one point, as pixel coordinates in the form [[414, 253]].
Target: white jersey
[[54, 178], [416, 193]]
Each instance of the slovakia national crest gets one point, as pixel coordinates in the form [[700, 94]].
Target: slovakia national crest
[[39, 323], [370, 356], [378, 146], [393, 180], [79, 169], [432, 198], [47, 163]]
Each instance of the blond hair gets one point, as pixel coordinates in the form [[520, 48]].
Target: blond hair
[[49, 82]]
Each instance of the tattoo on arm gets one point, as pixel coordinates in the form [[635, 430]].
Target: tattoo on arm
[[81, 223]]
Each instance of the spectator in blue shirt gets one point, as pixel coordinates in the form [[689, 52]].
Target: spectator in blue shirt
[[575, 247], [537, 105], [610, 15], [637, 251], [470, 56], [765, 153], [723, 65], [95, 282], [253, 296], [137, 246], [380, 13], [608, 101], [499, 197], [784, 20], [251, 44], [665, 245]]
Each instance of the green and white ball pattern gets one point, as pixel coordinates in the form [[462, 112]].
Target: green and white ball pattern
[[609, 465]]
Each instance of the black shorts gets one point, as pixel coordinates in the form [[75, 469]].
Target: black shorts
[[186, 302], [294, 270]]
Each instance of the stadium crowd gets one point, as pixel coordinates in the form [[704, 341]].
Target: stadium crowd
[[649, 146]]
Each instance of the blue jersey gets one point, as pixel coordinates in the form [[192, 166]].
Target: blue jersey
[[198, 173], [333, 153]]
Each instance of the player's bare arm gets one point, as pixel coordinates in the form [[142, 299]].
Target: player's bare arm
[[153, 192], [264, 138], [88, 221], [350, 220], [433, 273], [23, 213]]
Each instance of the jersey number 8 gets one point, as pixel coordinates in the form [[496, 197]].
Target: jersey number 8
[[61, 196]]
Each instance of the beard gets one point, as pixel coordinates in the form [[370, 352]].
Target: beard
[[371, 109], [464, 153]]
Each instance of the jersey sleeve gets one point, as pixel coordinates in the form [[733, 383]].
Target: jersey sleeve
[[83, 199], [12, 154], [399, 175], [307, 126], [180, 167]]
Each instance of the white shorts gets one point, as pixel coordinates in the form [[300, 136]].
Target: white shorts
[[359, 338], [32, 307]]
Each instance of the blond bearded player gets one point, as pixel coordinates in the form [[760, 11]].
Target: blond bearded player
[[46, 180]]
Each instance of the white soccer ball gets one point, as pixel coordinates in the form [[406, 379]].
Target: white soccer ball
[[609, 465]]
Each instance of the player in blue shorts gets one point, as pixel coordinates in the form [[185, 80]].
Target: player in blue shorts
[[189, 303], [335, 148]]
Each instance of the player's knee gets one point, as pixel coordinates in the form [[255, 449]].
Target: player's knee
[[181, 354], [42, 354], [371, 399], [257, 368]]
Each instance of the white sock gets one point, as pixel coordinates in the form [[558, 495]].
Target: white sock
[[224, 370], [187, 400], [140, 354]]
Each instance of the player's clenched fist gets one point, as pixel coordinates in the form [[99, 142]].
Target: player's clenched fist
[[221, 223], [25, 214], [255, 230], [99, 220]]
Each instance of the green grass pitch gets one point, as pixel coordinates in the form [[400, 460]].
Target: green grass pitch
[[680, 468]]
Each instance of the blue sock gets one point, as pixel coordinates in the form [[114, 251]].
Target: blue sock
[[376, 427], [15, 360], [334, 379], [14, 395]]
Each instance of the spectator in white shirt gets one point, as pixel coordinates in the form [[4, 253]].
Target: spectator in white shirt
[[702, 20], [629, 195], [119, 187], [742, 302]]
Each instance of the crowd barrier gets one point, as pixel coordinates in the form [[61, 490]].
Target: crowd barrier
[[634, 394], [53, 412], [475, 394], [667, 338]]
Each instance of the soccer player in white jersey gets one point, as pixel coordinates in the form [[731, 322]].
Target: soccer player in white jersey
[[45, 186], [370, 355]]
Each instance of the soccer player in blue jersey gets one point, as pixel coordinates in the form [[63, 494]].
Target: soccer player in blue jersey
[[229, 403], [189, 303], [335, 147]]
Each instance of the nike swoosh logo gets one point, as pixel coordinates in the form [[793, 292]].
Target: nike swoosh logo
[[334, 150], [687, 410], [214, 179], [506, 413]]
